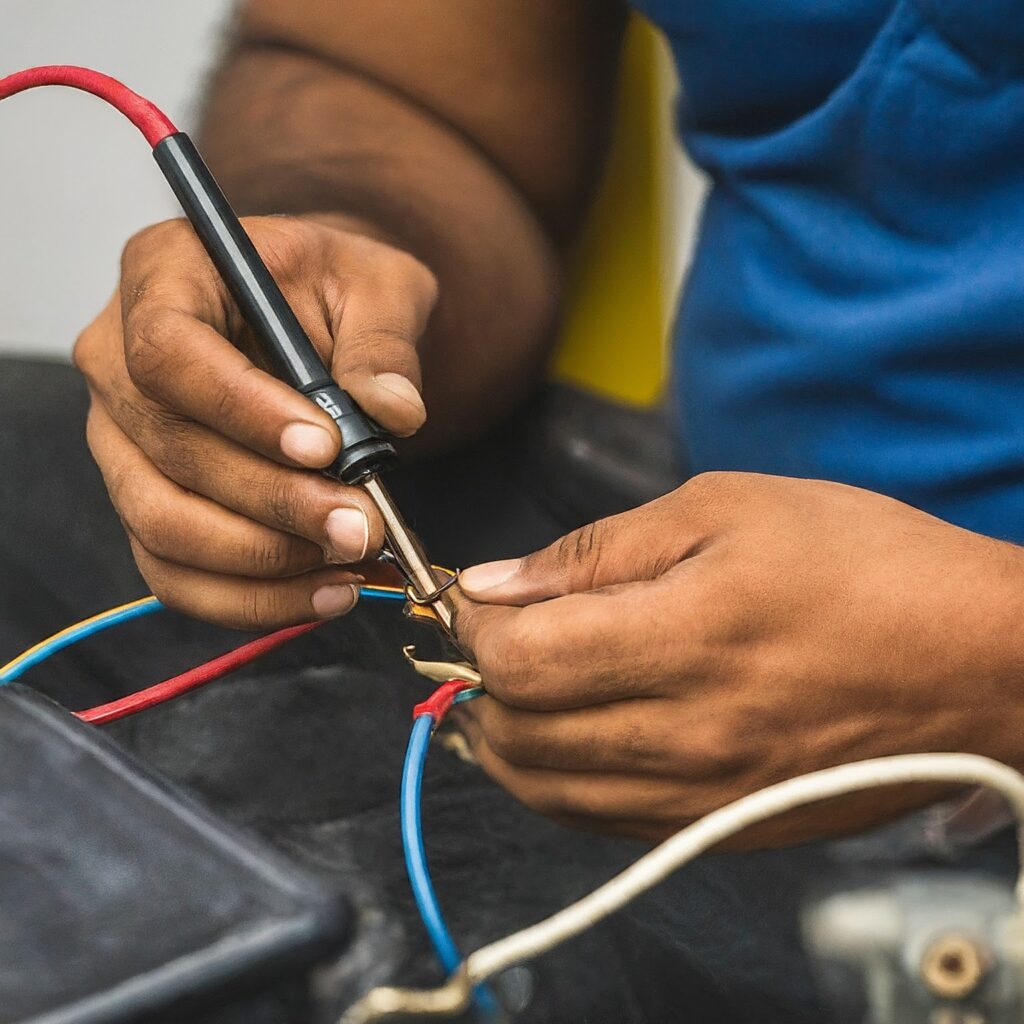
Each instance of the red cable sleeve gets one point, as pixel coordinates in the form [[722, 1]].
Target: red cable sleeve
[[193, 678], [439, 703], [148, 118]]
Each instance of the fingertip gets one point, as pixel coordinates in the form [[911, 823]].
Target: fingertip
[[490, 580], [334, 599], [308, 444], [401, 387], [404, 403], [348, 530]]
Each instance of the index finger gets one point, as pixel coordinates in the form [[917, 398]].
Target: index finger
[[583, 649], [177, 356]]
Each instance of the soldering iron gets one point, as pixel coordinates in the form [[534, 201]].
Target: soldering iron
[[366, 449]]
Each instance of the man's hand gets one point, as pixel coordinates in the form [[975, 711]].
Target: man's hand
[[744, 629], [209, 460]]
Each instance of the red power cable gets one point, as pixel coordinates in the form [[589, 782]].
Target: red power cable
[[155, 127], [148, 118], [193, 678]]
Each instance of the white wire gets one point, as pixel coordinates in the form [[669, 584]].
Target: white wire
[[649, 870]]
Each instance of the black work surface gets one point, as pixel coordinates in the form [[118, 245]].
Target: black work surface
[[118, 895], [305, 747]]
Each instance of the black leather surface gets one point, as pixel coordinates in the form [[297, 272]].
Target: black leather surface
[[122, 897]]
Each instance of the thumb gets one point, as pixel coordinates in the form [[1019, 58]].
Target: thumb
[[375, 356], [637, 545]]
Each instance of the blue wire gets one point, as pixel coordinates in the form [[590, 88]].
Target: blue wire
[[73, 636], [412, 841], [376, 594], [416, 860], [115, 617]]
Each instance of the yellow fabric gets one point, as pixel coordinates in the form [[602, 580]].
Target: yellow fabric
[[622, 283]]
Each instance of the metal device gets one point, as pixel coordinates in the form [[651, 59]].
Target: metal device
[[929, 948], [424, 589]]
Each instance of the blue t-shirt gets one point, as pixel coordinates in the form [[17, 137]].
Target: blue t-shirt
[[855, 310]]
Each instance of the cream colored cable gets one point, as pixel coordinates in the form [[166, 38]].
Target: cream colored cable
[[709, 831]]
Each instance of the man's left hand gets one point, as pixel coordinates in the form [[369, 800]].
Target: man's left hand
[[651, 667]]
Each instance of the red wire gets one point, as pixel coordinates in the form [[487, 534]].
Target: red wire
[[194, 677], [148, 118], [439, 703]]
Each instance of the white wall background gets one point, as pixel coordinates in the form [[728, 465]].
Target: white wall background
[[76, 179]]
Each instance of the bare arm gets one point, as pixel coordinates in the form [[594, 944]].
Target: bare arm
[[435, 159], [466, 132]]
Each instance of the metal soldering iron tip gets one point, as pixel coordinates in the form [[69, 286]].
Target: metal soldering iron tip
[[409, 554]]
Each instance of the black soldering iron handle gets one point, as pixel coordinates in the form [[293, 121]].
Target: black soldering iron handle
[[365, 447]]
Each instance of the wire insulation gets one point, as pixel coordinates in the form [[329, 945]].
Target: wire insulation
[[381, 593], [439, 703], [146, 116], [426, 716], [160, 693], [415, 853], [684, 846], [72, 634], [122, 613], [209, 671]]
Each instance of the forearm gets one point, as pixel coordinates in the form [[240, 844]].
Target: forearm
[[290, 133]]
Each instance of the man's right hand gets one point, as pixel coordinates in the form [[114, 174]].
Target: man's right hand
[[211, 462]]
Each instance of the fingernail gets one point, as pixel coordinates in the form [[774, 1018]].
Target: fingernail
[[403, 388], [307, 444], [335, 599], [489, 575], [348, 530]]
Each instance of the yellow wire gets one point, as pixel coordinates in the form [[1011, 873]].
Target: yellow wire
[[56, 637], [14, 662]]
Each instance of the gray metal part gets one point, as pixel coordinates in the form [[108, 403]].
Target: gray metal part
[[882, 932]]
